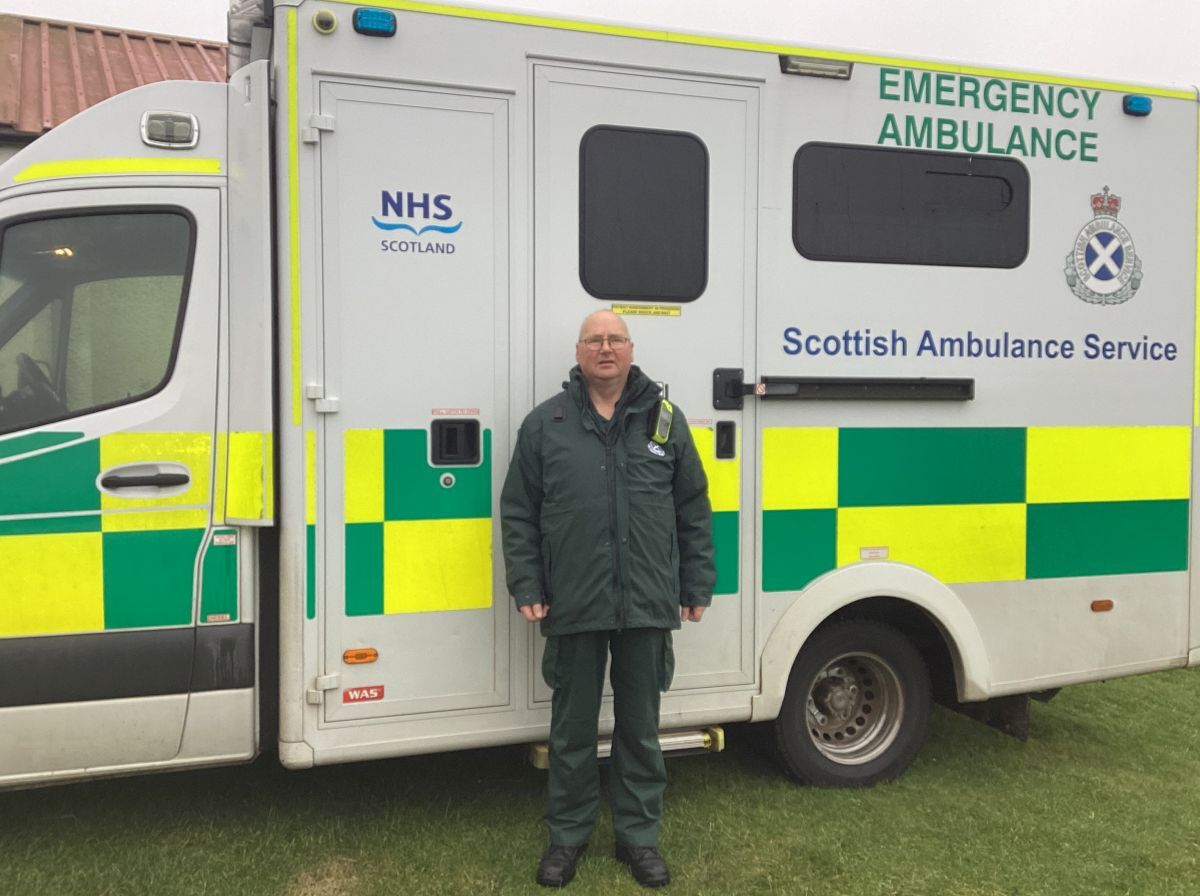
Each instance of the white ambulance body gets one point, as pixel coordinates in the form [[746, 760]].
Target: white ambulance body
[[265, 346]]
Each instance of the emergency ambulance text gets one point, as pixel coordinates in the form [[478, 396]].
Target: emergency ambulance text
[[973, 135]]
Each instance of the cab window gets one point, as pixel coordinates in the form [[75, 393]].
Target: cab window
[[91, 306]]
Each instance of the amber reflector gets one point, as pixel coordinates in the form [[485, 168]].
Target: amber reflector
[[360, 655], [1101, 606]]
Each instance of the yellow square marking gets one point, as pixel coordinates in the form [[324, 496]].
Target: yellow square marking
[[247, 485], [432, 565], [1101, 463], [800, 469], [364, 476], [193, 450], [724, 475], [310, 477], [955, 543], [51, 584]]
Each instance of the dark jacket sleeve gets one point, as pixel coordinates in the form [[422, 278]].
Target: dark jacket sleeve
[[520, 517], [693, 521]]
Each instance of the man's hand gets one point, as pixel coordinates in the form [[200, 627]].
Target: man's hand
[[691, 614], [534, 612]]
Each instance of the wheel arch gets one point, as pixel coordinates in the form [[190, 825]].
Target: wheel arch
[[907, 598]]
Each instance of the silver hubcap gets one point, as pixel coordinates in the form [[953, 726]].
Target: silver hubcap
[[855, 706]]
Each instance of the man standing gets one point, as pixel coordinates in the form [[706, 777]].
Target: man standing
[[608, 543]]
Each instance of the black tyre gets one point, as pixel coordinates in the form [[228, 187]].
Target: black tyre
[[857, 706]]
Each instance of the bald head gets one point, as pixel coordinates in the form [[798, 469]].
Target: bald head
[[603, 322]]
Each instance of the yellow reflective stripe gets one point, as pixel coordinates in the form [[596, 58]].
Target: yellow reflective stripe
[[753, 46], [723, 475], [293, 101], [221, 481], [247, 481], [432, 565], [800, 468], [955, 543], [310, 477], [269, 476], [92, 167], [188, 510], [52, 584], [364, 475], [1102, 463]]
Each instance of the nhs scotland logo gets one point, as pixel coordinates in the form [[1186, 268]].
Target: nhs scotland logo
[[428, 215]]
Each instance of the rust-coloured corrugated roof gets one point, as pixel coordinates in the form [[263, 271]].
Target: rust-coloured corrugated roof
[[51, 70]]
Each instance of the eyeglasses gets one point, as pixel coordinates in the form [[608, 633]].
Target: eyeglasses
[[616, 343]]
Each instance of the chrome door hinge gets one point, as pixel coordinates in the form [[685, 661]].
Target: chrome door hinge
[[315, 392], [322, 684], [317, 123]]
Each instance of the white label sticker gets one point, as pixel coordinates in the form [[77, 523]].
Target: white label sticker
[[879, 553], [224, 539]]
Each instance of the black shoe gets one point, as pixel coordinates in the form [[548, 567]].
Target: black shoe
[[647, 864], [557, 867]]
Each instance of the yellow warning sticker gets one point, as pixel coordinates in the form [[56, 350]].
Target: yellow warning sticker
[[648, 310]]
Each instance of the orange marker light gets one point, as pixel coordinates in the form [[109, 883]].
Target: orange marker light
[[359, 655], [1101, 606]]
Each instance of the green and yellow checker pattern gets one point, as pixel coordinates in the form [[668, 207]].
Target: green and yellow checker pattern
[[724, 494], [414, 545], [73, 559], [976, 505]]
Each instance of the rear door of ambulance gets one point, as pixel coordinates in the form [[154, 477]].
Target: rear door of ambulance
[[110, 268]]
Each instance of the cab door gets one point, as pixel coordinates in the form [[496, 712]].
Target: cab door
[[645, 203], [108, 337]]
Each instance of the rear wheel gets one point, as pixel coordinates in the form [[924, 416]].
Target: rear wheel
[[857, 706]]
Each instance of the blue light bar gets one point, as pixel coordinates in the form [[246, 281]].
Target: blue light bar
[[375, 22], [1138, 105]]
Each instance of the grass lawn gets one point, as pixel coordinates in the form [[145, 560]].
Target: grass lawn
[[1104, 799]]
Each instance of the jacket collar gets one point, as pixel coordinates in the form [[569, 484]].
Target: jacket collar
[[640, 391]]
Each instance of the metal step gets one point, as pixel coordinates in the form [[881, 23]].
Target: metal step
[[699, 740]]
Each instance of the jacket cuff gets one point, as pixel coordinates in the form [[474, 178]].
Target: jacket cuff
[[695, 599], [528, 600]]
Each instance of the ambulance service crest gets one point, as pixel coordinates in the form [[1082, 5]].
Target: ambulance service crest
[[1103, 267]]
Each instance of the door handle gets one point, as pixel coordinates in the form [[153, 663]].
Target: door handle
[[151, 480]]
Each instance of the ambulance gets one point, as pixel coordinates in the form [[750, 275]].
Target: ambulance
[[265, 347]]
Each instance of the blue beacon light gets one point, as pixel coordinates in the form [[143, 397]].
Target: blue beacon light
[[1136, 104], [375, 22]]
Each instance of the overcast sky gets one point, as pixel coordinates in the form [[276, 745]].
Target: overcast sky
[[1155, 41]]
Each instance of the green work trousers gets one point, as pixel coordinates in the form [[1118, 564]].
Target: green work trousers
[[642, 666]]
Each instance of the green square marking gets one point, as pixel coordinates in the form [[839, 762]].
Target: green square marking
[[1106, 538], [725, 548], [364, 569], [906, 467], [149, 577], [797, 546], [414, 490]]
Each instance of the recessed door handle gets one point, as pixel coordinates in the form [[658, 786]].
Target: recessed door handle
[[152, 480]]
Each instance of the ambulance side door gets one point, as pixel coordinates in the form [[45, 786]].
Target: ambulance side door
[[108, 354]]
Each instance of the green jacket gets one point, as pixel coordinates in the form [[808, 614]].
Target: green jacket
[[605, 526]]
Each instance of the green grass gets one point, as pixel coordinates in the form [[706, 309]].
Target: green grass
[[1104, 799]]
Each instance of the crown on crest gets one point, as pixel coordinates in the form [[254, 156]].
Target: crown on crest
[[1106, 204]]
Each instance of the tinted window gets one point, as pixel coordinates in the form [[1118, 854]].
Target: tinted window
[[92, 312], [894, 206], [643, 214]]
